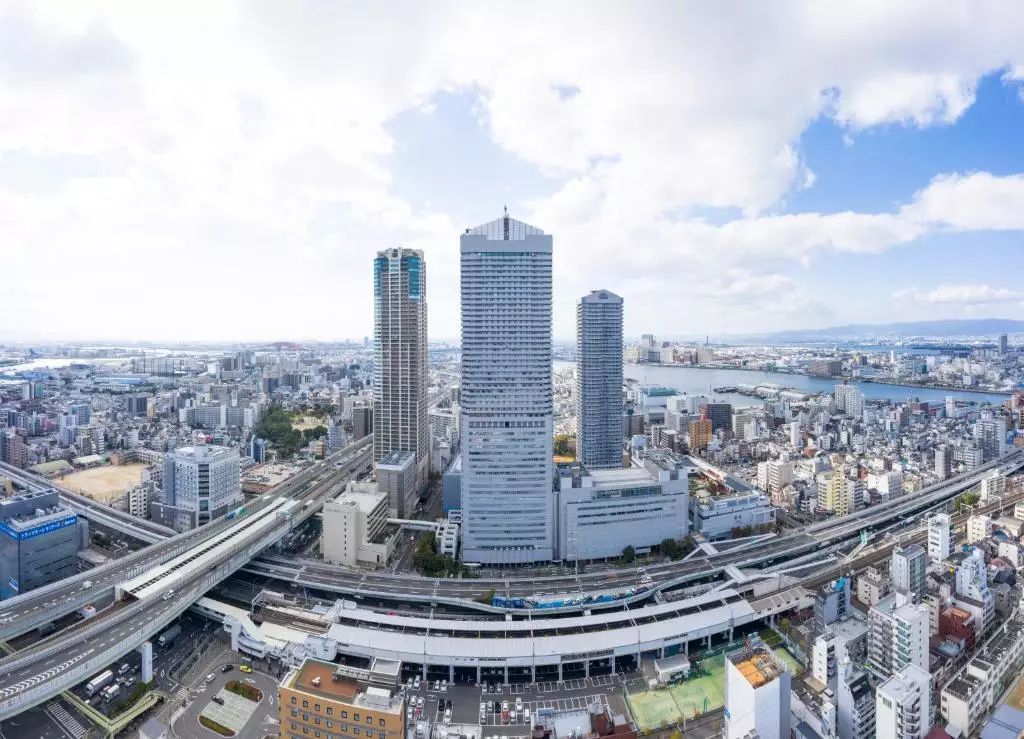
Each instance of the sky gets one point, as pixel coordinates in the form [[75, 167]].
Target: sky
[[197, 171]]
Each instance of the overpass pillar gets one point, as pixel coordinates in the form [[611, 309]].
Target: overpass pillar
[[730, 633], [424, 672], [686, 648], [506, 674], [612, 659], [451, 674], [586, 668], [533, 672], [559, 672], [146, 650], [478, 676]]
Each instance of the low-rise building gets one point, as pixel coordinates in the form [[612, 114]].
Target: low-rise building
[[317, 698], [355, 528], [601, 512], [715, 517], [39, 542]]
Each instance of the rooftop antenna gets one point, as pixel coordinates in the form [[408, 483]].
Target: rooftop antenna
[[506, 223]]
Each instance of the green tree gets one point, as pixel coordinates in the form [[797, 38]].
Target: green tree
[[628, 555], [671, 549]]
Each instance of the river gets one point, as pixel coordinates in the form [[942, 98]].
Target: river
[[694, 381]]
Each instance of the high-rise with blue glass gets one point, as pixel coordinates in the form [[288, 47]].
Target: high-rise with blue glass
[[400, 371], [507, 498]]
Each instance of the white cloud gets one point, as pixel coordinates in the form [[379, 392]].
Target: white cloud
[[219, 148], [968, 295]]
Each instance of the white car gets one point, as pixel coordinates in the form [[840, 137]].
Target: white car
[[444, 686], [448, 716], [416, 684], [519, 703]]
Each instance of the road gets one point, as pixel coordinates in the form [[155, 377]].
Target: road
[[43, 605]]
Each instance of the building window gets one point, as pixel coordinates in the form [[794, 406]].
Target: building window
[[293, 700], [355, 730], [369, 720], [316, 706], [344, 714], [294, 713], [330, 711], [316, 720], [355, 716], [305, 704], [382, 722]]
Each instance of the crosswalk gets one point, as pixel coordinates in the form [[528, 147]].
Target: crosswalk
[[181, 692], [65, 719]]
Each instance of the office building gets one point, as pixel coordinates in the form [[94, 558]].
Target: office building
[[321, 698], [137, 405], [39, 542], [400, 369], [355, 527], [599, 380], [507, 496], [903, 705], [855, 704], [907, 566], [701, 432], [899, 634], [839, 494], [757, 695], [1004, 344], [720, 415], [825, 368], [204, 479], [601, 512], [362, 422], [795, 436], [940, 536], [398, 476], [725, 516]]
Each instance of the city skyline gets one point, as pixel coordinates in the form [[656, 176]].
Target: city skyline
[[820, 190]]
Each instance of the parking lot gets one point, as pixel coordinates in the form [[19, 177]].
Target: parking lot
[[466, 701]]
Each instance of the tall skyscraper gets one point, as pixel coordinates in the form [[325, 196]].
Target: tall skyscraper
[[507, 498], [599, 380], [400, 371]]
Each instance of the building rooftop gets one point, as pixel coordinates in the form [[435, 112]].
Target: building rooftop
[[203, 452], [758, 665], [323, 679], [398, 458], [364, 495]]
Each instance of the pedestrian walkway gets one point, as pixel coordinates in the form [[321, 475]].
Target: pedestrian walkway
[[56, 711]]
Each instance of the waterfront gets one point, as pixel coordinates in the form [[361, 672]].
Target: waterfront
[[694, 381]]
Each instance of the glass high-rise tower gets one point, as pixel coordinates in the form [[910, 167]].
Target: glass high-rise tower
[[400, 422], [507, 499], [599, 380]]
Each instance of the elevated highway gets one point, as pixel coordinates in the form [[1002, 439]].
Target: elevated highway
[[44, 605], [159, 583], [640, 584]]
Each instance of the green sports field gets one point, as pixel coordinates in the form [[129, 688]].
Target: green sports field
[[653, 709]]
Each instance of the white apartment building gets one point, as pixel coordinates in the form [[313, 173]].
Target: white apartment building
[[599, 380], [903, 707], [774, 475], [601, 512], [972, 586], [967, 699], [993, 485], [757, 695], [899, 634], [849, 400], [940, 537], [507, 496], [907, 566], [354, 527], [204, 479], [400, 379], [979, 528]]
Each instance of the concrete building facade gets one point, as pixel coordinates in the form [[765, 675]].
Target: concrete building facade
[[599, 380], [204, 479], [400, 367], [507, 496]]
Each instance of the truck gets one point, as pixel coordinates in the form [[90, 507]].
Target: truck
[[111, 691], [167, 638], [100, 681]]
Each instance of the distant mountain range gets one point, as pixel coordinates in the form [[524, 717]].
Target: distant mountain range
[[949, 328]]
